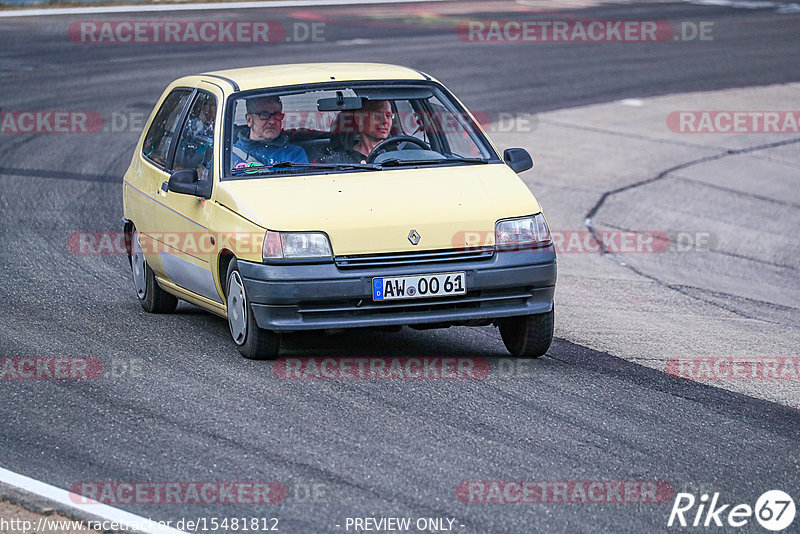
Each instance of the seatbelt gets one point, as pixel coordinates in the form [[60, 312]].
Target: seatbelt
[[245, 156]]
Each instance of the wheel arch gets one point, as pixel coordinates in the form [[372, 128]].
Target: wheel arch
[[223, 261], [127, 230]]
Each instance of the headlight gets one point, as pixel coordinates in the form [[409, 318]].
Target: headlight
[[295, 245], [521, 233]]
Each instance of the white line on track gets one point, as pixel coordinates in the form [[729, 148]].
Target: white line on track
[[354, 42], [197, 7], [779, 7], [102, 511]]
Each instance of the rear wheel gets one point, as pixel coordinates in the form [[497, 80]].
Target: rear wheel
[[152, 298], [253, 342], [528, 336]]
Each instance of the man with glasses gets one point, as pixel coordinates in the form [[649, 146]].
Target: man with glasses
[[266, 143]]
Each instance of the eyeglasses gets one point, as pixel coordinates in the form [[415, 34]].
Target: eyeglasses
[[378, 115], [266, 115]]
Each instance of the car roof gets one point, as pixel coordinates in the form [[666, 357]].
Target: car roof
[[305, 73]]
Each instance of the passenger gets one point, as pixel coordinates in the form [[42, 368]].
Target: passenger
[[208, 113], [195, 150], [266, 143], [355, 133]]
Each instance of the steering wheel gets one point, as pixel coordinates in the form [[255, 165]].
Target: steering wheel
[[380, 148]]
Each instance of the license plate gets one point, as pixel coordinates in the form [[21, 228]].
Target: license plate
[[419, 286]]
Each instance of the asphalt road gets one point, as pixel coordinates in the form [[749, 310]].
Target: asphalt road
[[186, 407]]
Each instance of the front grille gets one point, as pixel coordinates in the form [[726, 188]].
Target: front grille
[[400, 259]]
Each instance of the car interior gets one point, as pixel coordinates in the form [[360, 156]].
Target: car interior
[[322, 123]]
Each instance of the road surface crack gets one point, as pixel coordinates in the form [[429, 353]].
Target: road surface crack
[[683, 290]]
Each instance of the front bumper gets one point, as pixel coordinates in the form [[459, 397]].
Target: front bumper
[[285, 298]]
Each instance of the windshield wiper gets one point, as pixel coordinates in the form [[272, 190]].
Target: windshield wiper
[[399, 162], [468, 160], [265, 169]]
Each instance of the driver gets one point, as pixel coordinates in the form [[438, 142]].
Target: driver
[[372, 124], [266, 143]]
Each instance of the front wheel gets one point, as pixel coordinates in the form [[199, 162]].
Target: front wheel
[[528, 336], [253, 342]]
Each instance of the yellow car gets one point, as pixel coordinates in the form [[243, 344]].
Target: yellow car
[[333, 196]]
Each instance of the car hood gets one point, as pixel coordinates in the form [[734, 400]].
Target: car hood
[[374, 212]]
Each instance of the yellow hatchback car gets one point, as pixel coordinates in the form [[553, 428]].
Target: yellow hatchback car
[[333, 196]]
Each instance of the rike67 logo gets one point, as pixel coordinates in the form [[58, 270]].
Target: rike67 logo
[[774, 510]]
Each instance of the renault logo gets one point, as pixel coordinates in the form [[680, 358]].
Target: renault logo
[[414, 237]]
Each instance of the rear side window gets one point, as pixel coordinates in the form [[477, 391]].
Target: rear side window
[[161, 132]]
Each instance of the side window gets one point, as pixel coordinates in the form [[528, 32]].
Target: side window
[[409, 121], [159, 136], [196, 143], [455, 131]]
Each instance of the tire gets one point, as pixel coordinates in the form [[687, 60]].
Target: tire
[[528, 336], [152, 298], [253, 342]]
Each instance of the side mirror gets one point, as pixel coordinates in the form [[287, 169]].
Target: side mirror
[[186, 182], [518, 159]]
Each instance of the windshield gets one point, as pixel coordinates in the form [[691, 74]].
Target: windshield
[[349, 128]]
